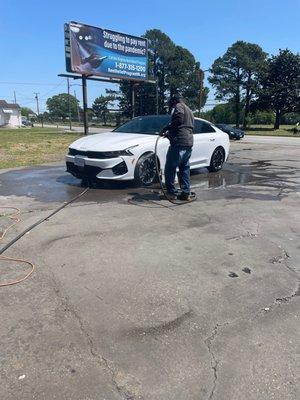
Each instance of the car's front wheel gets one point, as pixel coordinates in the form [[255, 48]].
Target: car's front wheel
[[145, 170], [217, 160]]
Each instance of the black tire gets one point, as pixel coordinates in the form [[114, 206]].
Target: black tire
[[145, 173], [217, 160]]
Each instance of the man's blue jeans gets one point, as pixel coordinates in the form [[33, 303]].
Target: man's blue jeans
[[178, 157]]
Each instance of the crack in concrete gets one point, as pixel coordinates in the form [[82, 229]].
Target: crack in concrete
[[123, 387], [279, 259], [286, 299], [282, 259], [245, 235], [44, 209], [214, 361], [248, 234]]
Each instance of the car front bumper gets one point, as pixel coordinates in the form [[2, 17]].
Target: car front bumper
[[119, 168]]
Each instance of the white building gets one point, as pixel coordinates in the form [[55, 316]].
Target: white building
[[10, 114]]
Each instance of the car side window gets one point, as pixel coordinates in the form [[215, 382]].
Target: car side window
[[207, 128], [198, 126], [203, 127]]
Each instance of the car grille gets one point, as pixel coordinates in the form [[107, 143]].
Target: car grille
[[83, 172], [92, 154]]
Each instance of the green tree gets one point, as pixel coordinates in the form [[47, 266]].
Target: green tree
[[262, 117], [160, 47], [234, 76], [101, 105], [175, 70], [25, 112], [253, 63], [291, 118], [58, 106], [161, 50], [223, 114], [280, 85], [183, 76]]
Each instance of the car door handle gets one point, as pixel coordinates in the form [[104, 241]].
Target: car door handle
[[212, 139]]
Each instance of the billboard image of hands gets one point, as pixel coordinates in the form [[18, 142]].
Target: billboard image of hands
[[97, 51]]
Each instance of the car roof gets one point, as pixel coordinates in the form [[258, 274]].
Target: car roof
[[168, 115]]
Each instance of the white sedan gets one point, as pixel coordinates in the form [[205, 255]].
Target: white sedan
[[127, 153]]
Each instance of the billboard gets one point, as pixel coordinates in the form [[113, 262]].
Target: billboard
[[102, 52]]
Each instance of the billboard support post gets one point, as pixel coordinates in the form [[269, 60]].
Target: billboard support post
[[84, 97], [84, 79], [69, 105], [132, 100]]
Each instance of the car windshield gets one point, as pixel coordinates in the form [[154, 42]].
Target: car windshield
[[148, 125]]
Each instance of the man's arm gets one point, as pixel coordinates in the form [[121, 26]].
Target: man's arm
[[176, 119]]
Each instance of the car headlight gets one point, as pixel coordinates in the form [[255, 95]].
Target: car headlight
[[119, 153], [101, 154]]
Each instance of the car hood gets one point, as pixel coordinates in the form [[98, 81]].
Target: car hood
[[111, 141]]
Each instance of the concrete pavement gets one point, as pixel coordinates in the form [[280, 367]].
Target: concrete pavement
[[278, 140], [136, 299]]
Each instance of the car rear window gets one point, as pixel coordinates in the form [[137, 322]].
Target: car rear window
[[203, 127]]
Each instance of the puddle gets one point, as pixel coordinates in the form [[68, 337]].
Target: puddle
[[52, 184]]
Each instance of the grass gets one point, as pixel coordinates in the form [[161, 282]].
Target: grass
[[30, 146], [267, 130]]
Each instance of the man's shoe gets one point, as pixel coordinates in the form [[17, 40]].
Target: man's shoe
[[184, 196], [171, 196]]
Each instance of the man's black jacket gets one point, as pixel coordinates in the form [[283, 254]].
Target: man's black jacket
[[181, 127]]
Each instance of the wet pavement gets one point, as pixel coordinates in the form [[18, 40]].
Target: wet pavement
[[133, 298], [50, 184]]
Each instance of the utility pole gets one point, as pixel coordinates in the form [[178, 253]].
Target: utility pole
[[156, 97], [15, 97], [37, 103], [78, 111], [156, 83], [69, 104], [201, 77]]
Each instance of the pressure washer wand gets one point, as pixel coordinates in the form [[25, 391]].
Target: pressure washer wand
[[177, 203]]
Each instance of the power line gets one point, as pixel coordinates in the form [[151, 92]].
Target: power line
[[27, 83], [60, 84]]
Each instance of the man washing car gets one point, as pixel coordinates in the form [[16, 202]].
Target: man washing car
[[180, 133]]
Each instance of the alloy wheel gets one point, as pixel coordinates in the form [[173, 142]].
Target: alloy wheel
[[147, 170]]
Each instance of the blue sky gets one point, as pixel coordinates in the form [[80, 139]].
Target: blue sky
[[32, 44]]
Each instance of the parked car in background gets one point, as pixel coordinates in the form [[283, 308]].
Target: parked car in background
[[127, 153], [26, 122], [233, 133]]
